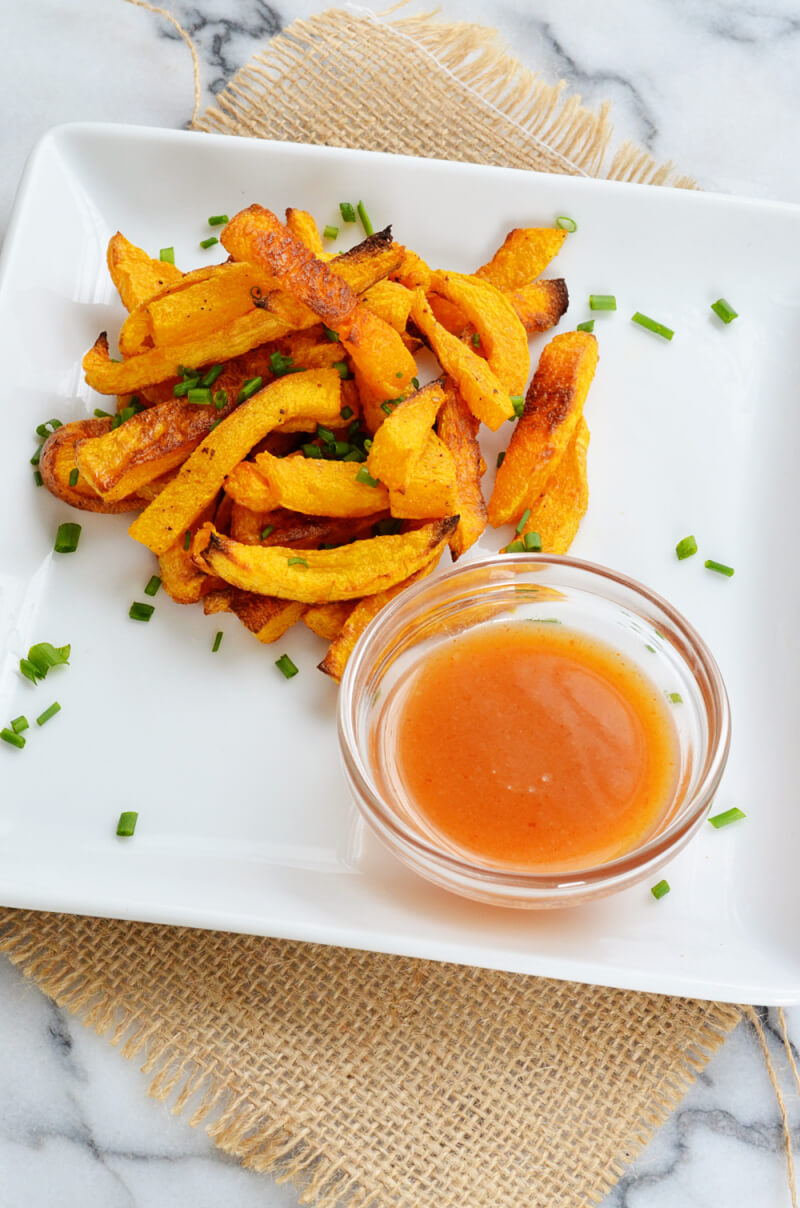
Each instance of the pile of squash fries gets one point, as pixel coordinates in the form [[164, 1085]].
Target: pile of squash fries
[[273, 436]]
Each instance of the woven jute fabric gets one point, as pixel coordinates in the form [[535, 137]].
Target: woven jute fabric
[[375, 1080]]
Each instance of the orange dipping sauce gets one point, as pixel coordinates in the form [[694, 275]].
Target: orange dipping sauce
[[532, 746]]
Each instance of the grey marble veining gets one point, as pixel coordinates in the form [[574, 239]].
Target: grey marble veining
[[713, 85]]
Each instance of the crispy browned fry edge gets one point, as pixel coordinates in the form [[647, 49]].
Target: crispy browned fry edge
[[458, 429], [265, 616], [58, 458], [557, 513], [540, 305]]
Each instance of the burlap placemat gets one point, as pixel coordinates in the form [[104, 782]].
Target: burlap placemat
[[376, 1080]]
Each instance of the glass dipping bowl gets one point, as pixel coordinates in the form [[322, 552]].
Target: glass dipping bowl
[[589, 599]]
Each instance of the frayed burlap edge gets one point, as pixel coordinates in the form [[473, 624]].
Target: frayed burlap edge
[[374, 101]]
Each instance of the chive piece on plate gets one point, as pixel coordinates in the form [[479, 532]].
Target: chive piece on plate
[[364, 476], [42, 657], [48, 713], [265, 532], [501, 456], [659, 329], [127, 823], [67, 538], [37, 478], [724, 819], [217, 642], [660, 890], [210, 376], [602, 302], [250, 387], [566, 223], [518, 403], [347, 412], [153, 585], [167, 254], [719, 567], [686, 547], [99, 413], [347, 212], [220, 399], [297, 562], [212, 239], [14, 740], [141, 612], [515, 547], [366, 221], [587, 326], [724, 310], [533, 543], [331, 232], [674, 698], [218, 220], [19, 724], [200, 395], [73, 477], [286, 666], [523, 520]]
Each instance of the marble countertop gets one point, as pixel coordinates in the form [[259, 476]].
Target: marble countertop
[[713, 85]]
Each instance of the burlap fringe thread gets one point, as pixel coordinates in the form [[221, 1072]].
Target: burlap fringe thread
[[469, 100]]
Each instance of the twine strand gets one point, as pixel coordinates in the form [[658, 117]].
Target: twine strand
[[752, 1015], [162, 12]]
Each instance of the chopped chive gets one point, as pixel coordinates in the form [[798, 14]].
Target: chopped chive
[[14, 740], [415, 383], [201, 396], [251, 386], [50, 425], [602, 302], [215, 424], [686, 547], [210, 376], [399, 373], [99, 413], [354, 455], [37, 478], [311, 451], [501, 456], [389, 527], [367, 444], [587, 326], [364, 476], [724, 310], [297, 562], [141, 612], [365, 219], [137, 404], [674, 698], [325, 434], [128, 413], [331, 232], [719, 567], [566, 224], [265, 532], [187, 539], [347, 412], [515, 547], [344, 371], [658, 329], [153, 584], [67, 538], [660, 890], [280, 365], [326, 545], [332, 335], [523, 520], [724, 819], [127, 823], [518, 403], [341, 448], [217, 642], [167, 254], [73, 477], [347, 212], [212, 239], [533, 543], [36, 456], [647, 646], [476, 340], [220, 399], [286, 666], [116, 420], [218, 220], [19, 724], [387, 407], [48, 713], [182, 388]]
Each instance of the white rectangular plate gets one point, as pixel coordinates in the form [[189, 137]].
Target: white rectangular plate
[[245, 822]]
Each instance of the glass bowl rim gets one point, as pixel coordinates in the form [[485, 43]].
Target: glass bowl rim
[[717, 716]]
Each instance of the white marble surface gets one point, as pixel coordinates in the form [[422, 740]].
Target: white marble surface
[[713, 85]]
